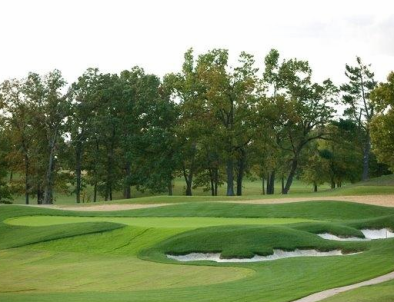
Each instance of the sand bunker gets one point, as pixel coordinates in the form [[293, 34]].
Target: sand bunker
[[278, 254], [369, 234]]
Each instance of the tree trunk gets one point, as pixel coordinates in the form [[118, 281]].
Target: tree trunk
[[216, 181], [48, 192], [230, 177], [27, 181], [170, 187], [189, 180], [189, 189], [240, 175], [95, 191], [332, 183], [127, 189], [283, 185], [212, 182], [314, 186], [239, 184], [366, 154], [95, 171], [78, 171], [39, 194], [110, 164], [262, 186], [271, 183], [289, 181]]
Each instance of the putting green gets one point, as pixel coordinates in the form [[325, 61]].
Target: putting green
[[156, 222]]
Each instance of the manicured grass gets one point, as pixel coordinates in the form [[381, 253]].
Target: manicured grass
[[381, 292], [121, 256], [246, 241], [156, 222], [47, 271]]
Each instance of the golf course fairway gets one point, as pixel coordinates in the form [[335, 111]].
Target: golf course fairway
[[54, 255]]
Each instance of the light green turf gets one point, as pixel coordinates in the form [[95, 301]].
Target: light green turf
[[46, 271], [156, 222]]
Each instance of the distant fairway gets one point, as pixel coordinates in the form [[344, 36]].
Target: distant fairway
[[252, 190]]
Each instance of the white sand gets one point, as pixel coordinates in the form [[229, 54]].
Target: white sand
[[369, 234], [377, 234], [278, 254], [329, 236]]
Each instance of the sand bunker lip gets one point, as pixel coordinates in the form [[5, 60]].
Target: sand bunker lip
[[369, 234], [278, 254], [99, 207]]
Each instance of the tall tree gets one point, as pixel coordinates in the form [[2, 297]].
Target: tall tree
[[356, 96], [50, 105], [18, 120], [5, 192], [187, 89], [230, 99], [301, 110], [84, 94]]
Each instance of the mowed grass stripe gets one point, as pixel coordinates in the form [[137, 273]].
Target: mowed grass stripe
[[156, 222]]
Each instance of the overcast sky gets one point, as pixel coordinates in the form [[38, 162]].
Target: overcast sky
[[70, 35]]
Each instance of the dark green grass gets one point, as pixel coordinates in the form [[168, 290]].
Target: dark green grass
[[246, 241]]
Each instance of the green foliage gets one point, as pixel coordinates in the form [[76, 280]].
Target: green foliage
[[382, 125], [211, 123]]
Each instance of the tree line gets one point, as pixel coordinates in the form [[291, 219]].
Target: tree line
[[211, 124]]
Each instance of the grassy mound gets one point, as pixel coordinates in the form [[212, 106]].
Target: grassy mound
[[246, 241]]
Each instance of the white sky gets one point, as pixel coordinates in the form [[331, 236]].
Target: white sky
[[114, 35]]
